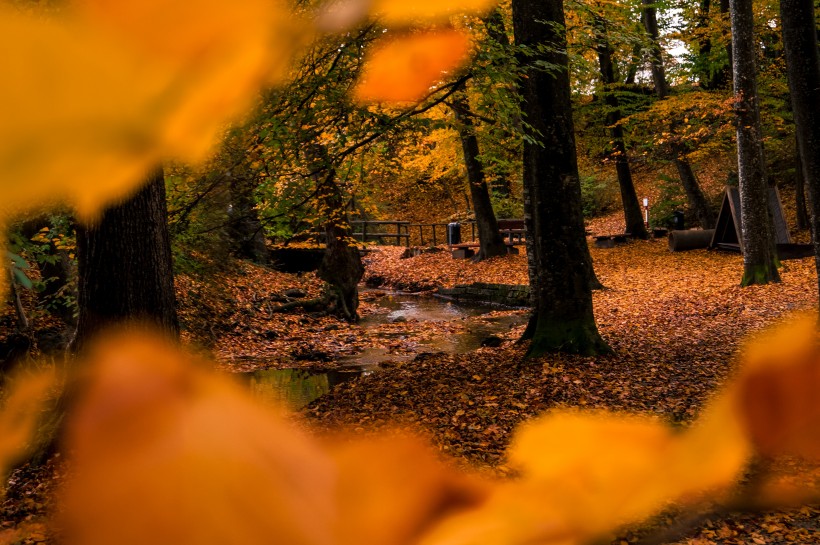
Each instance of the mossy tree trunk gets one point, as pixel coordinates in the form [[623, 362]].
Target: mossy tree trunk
[[560, 269], [757, 227]]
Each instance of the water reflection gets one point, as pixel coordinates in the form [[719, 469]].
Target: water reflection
[[295, 388]]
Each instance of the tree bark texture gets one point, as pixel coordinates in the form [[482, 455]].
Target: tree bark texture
[[800, 40], [490, 241], [650, 24], [803, 220], [632, 210], [757, 229], [125, 267], [560, 279]]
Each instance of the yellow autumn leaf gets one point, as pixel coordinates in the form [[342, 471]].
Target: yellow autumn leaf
[[166, 453], [392, 489], [405, 68], [585, 475], [106, 91]]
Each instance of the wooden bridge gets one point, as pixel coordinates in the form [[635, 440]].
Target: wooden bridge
[[403, 233]]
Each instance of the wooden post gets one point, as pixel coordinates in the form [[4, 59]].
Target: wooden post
[[434, 234], [421, 235], [364, 231]]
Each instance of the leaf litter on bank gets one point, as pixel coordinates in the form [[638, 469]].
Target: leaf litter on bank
[[676, 322]]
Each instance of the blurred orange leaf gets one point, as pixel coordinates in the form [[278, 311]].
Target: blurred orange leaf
[[20, 415], [777, 391], [404, 69], [397, 11]]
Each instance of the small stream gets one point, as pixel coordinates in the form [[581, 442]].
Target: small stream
[[298, 387]]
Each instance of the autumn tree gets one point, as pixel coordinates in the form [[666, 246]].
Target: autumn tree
[[560, 276], [760, 260], [491, 243], [632, 210], [694, 194], [800, 38]]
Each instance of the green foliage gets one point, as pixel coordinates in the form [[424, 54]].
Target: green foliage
[[597, 196], [507, 207], [671, 198]]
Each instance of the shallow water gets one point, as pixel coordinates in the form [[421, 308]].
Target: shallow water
[[298, 387]]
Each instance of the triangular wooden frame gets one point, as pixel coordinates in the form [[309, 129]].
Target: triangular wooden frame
[[727, 228]]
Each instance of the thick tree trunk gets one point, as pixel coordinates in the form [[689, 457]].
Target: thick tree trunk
[[125, 268], [341, 266], [490, 241], [694, 194], [563, 319], [800, 39], [757, 230], [632, 209]]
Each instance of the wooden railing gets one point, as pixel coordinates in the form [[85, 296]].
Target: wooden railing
[[403, 233]]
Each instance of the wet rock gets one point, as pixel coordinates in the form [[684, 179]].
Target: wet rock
[[398, 319]]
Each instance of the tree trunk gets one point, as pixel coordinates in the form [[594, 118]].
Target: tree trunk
[[803, 221], [560, 273], [490, 241], [124, 267], [632, 210], [800, 40], [650, 23], [244, 227], [759, 254], [694, 194], [341, 266]]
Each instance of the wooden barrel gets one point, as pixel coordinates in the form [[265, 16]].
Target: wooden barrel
[[693, 239]]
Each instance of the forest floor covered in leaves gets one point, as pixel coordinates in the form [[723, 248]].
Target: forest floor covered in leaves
[[676, 323]]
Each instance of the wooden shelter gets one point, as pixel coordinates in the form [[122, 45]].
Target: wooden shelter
[[727, 229]]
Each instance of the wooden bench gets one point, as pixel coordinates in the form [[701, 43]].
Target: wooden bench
[[609, 241], [467, 249]]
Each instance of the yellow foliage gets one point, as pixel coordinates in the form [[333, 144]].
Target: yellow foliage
[[111, 89], [404, 69]]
